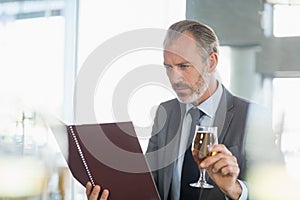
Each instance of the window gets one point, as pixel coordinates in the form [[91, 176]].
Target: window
[[101, 22], [31, 80], [286, 120], [285, 20], [32, 61]]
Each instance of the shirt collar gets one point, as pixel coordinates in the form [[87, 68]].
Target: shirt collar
[[210, 105]]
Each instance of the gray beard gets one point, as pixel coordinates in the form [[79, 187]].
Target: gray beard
[[197, 95]]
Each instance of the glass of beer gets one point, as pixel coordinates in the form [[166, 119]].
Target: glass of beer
[[205, 136]]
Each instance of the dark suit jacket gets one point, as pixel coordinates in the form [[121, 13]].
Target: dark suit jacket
[[231, 122]]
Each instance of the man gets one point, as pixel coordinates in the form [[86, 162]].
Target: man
[[190, 59]]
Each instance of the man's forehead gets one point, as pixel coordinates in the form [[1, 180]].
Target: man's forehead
[[183, 48], [174, 58]]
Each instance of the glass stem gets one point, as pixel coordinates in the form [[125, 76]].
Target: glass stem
[[202, 176]]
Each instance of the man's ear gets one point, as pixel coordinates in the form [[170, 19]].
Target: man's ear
[[212, 61]]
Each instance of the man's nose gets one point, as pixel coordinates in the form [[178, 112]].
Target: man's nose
[[175, 75]]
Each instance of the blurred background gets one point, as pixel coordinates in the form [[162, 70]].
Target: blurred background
[[44, 44]]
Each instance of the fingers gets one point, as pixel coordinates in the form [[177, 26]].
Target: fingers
[[226, 166], [88, 189], [223, 169], [93, 192], [222, 162], [104, 195], [195, 154], [220, 148]]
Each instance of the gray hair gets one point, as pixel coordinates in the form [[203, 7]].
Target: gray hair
[[205, 37]]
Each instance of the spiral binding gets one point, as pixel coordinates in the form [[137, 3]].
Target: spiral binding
[[81, 156]]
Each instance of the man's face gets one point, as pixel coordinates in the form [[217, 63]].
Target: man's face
[[186, 69]]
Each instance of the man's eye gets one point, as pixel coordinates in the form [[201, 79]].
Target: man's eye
[[168, 67], [184, 66]]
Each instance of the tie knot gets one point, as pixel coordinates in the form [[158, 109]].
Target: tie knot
[[195, 114]]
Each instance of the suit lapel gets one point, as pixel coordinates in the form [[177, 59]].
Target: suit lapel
[[224, 115], [174, 128]]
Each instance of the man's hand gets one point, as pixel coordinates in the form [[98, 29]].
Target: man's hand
[[224, 170], [93, 193]]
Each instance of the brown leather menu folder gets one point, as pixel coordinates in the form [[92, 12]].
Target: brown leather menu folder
[[109, 155]]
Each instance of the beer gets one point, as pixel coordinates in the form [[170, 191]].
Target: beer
[[202, 141]]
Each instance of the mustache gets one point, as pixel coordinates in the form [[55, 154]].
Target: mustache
[[180, 85]]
